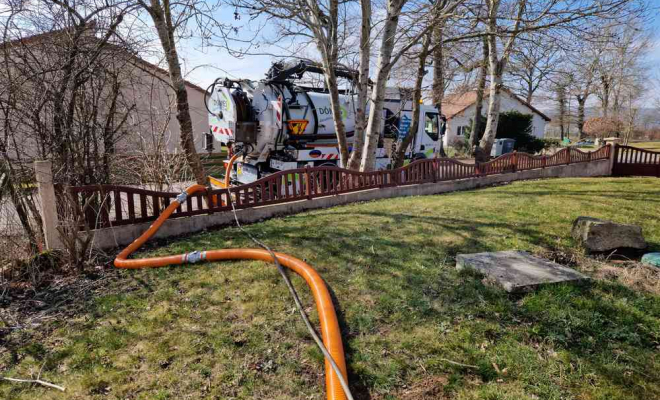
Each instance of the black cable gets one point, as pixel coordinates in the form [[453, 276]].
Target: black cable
[[296, 299]]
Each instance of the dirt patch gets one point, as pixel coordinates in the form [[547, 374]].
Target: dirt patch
[[631, 274], [430, 387], [611, 267], [26, 312]]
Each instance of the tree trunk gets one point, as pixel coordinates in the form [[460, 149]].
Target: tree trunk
[[18, 202], [377, 96], [561, 101], [335, 107], [496, 66], [605, 100], [582, 100], [530, 88], [477, 123], [328, 46], [363, 86], [482, 153], [438, 87], [162, 18], [399, 154]]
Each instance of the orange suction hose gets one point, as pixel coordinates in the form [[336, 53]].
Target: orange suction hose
[[226, 182], [327, 316]]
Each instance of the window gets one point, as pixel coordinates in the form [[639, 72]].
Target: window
[[432, 125], [391, 125], [463, 130]]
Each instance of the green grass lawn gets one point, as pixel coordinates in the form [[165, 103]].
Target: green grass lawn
[[230, 331]]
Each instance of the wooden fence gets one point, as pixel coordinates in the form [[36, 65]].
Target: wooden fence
[[632, 161], [110, 205]]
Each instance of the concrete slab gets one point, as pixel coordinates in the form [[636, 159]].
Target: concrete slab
[[518, 271]]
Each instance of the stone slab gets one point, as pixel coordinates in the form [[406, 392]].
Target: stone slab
[[518, 271]]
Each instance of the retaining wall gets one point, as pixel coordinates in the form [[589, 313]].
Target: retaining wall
[[108, 238]]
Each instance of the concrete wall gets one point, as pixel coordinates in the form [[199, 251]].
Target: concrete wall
[[508, 104], [109, 238]]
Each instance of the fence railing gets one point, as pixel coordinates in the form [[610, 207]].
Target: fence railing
[[633, 161], [111, 205]]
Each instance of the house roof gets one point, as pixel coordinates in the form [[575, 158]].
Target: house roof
[[134, 59], [458, 102]]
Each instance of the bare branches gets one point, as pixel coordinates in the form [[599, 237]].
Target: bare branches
[[35, 381]]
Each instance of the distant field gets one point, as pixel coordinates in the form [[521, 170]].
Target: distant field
[[647, 145], [655, 146]]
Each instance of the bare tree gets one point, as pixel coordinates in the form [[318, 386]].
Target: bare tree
[[170, 20], [584, 64], [618, 64], [561, 96], [389, 54], [477, 122], [61, 98], [506, 20], [402, 145], [363, 84], [497, 64], [532, 61]]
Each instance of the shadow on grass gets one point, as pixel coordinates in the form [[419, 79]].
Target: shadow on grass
[[596, 324]]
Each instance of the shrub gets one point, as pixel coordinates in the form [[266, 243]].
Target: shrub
[[468, 131], [518, 126], [461, 147]]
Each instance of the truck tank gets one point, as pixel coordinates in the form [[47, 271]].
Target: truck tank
[[280, 124]]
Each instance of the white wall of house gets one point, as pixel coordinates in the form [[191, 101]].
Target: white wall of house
[[464, 118]]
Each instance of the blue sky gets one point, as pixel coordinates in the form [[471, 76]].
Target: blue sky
[[203, 66]]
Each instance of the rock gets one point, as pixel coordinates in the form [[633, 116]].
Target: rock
[[597, 235], [652, 259]]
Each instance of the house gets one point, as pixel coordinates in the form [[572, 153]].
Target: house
[[459, 109], [155, 106], [137, 91]]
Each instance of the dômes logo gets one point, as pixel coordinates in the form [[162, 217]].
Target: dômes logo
[[328, 111]]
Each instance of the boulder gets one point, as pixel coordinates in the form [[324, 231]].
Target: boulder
[[597, 235]]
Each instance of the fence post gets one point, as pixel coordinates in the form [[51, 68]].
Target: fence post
[[308, 182], [614, 154], [568, 155], [47, 203], [514, 160]]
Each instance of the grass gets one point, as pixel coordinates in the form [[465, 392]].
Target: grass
[[655, 146], [229, 331]]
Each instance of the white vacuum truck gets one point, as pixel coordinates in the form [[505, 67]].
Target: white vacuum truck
[[280, 125]]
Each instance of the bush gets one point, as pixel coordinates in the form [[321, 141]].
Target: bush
[[518, 126], [461, 147], [468, 131]]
